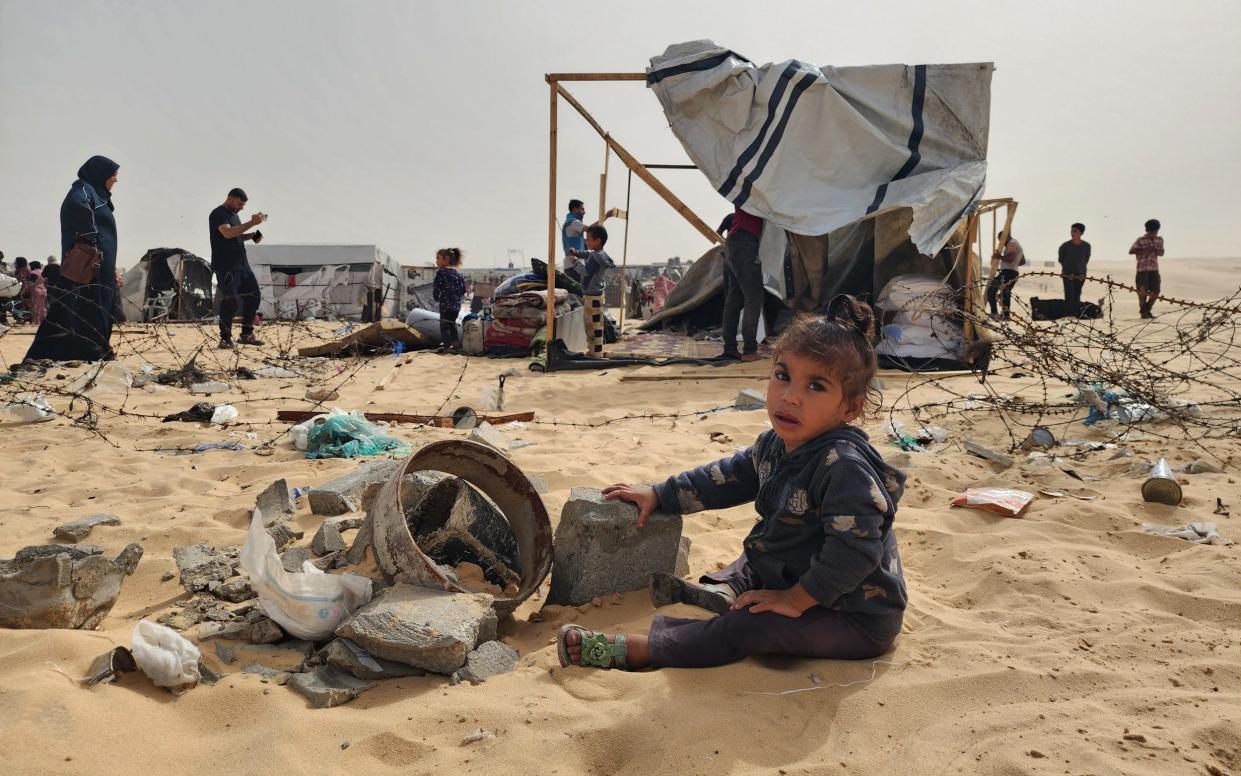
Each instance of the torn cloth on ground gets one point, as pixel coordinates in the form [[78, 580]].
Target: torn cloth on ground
[[1200, 533], [812, 149]]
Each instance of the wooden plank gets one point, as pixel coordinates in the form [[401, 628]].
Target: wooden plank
[[441, 421], [553, 77], [638, 169], [392, 373], [551, 219], [374, 336]]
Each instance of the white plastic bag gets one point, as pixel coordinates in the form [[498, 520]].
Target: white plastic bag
[[105, 377], [31, 410], [224, 413], [301, 432], [165, 655], [308, 606]]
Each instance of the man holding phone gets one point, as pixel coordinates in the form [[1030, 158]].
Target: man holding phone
[[236, 285]]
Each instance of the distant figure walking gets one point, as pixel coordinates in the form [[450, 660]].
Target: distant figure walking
[[235, 282], [1074, 256], [1147, 249], [1011, 256], [78, 326], [448, 292]]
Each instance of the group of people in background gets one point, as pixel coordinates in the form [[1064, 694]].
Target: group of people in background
[[34, 279], [1074, 258]]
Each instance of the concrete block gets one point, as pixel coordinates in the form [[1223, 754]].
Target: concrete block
[[68, 589], [599, 549], [420, 626], [492, 658], [751, 399], [201, 564], [275, 502], [352, 659], [351, 492], [327, 539], [326, 686], [78, 530]]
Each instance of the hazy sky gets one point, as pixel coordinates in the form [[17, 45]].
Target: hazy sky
[[421, 125]]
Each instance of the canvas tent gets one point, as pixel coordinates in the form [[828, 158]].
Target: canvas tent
[[862, 174], [167, 284], [317, 281]]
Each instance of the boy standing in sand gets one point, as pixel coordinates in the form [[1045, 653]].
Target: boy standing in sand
[[594, 262], [1147, 249]]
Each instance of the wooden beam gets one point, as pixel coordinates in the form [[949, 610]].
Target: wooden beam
[[553, 77], [638, 169], [551, 222]]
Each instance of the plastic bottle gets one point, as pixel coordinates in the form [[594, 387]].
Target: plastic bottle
[[211, 386]]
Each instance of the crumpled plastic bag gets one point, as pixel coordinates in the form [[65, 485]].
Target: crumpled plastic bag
[[307, 605], [224, 413], [164, 655], [34, 409], [347, 436], [1002, 501]]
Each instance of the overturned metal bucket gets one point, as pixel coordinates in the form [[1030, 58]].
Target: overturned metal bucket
[[397, 552]]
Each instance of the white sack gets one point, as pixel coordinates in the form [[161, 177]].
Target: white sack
[[164, 655]]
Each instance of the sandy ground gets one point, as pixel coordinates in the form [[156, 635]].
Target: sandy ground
[[1066, 641]]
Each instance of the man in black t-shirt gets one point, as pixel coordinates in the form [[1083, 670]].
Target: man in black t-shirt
[[235, 281], [1074, 256]]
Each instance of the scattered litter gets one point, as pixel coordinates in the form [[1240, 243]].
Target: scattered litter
[[973, 448], [1002, 501], [108, 377], [225, 413], [309, 606], [165, 655], [1040, 438], [109, 665], [1066, 494], [210, 386], [476, 736], [202, 412], [464, 418], [35, 409], [1160, 486], [1203, 466], [720, 437], [274, 371], [347, 435], [1199, 533]]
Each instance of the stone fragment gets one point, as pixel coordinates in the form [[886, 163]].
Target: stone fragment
[[275, 501], [491, 658], [326, 686], [262, 631], [226, 653], [206, 675], [422, 627], [349, 523], [486, 434], [351, 492], [682, 565], [327, 561], [539, 484], [599, 549], [327, 539], [973, 448], [78, 530], [270, 674], [282, 534], [322, 393], [293, 558], [351, 658], [72, 588], [235, 590], [751, 399], [201, 564], [75, 552]]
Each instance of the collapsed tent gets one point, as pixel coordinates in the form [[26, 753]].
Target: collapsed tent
[[862, 174], [357, 282], [167, 284]]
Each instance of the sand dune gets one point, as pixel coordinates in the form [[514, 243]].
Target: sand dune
[[1066, 641]]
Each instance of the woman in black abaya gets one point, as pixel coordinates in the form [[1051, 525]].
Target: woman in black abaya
[[78, 326]]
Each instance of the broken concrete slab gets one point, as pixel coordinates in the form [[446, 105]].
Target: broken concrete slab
[[268, 674], [327, 686], [351, 658], [491, 658], [352, 492], [64, 590], [79, 529], [235, 590], [275, 501], [75, 552], [281, 533], [293, 558], [682, 565], [259, 631], [422, 627], [201, 564], [599, 549], [328, 539], [973, 448], [751, 399], [486, 434], [328, 561]]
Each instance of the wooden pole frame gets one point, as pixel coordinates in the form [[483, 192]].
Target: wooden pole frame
[[635, 168]]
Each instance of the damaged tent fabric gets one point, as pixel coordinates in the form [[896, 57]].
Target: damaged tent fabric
[[812, 149]]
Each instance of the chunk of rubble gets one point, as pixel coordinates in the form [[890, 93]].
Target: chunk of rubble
[[62, 586], [275, 501], [293, 558], [486, 434], [751, 399], [973, 448], [78, 530], [422, 627], [235, 590], [328, 539], [348, 656], [491, 658], [201, 564], [266, 674], [683, 548], [599, 549], [351, 492], [327, 686]]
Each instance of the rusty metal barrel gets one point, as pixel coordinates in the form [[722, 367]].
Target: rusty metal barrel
[[397, 552]]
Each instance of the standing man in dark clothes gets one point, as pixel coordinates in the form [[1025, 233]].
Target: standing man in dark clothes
[[1074, 256], [743, 284], [235, 281]]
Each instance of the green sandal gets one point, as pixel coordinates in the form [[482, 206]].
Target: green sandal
[[597, 651]]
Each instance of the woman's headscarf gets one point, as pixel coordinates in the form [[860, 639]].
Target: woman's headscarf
[[96, 172]]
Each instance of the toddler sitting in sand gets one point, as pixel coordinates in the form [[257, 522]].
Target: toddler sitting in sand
[[819, 575]]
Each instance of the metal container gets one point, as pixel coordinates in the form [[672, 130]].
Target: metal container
[[400, 558], [1040, 438], [464, 417], [1160, 486]]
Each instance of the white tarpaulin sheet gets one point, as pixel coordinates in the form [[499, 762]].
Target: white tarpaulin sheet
[[812, 149]]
